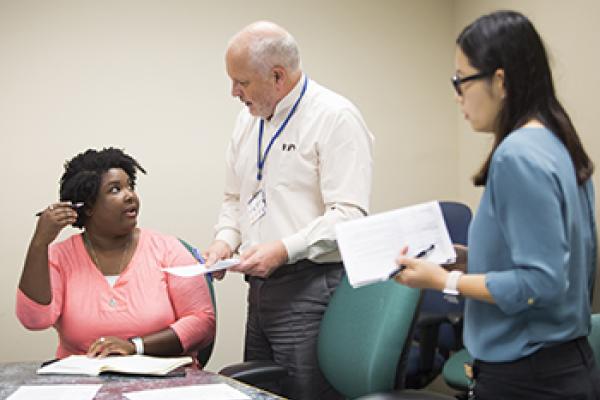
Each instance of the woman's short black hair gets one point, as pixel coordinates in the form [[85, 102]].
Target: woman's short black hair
[[507, 40], [83, 174]]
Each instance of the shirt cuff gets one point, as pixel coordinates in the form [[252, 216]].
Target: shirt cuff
[[296, 247], [193, 333], [507, 292], [33, 315], [229, 236]]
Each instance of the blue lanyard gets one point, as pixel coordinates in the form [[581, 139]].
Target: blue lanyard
[[261, 159]]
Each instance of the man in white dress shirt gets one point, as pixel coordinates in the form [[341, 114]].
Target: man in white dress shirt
[[299, 162]]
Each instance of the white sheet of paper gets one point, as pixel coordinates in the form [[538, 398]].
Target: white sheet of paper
[[369, 246], [198, 269], [218, 391], [55, 392]]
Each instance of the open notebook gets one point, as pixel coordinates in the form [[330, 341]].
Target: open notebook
[[133, 365], [369, 246]]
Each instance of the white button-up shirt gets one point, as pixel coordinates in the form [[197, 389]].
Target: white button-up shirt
[[317, 174]]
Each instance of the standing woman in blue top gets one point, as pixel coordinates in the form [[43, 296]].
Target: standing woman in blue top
[[532, 244]]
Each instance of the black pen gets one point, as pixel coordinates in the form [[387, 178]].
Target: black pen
[[73, 206], [420, 254]]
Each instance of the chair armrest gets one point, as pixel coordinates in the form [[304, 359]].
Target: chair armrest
[[428, 318], [255, 372]]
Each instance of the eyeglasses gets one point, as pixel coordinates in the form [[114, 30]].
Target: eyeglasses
[[457, 80]]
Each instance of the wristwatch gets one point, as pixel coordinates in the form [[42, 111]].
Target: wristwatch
[[451, 290], [138, 343]]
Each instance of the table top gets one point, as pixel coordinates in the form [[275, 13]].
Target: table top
[[13, 375]]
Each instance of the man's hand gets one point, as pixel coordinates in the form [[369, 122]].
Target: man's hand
[[261, 260], [218, 250]]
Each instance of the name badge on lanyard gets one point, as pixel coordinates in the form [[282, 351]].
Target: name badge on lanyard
[[257, 206], [260, 162]]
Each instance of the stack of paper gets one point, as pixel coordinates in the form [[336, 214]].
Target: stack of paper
[[369, 246]]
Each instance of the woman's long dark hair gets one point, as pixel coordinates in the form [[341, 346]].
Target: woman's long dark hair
[[507, 40]]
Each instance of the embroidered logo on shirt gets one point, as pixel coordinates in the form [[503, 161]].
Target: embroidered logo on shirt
[[288, 147]]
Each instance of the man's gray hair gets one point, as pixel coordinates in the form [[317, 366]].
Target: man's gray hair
[[266, 52]]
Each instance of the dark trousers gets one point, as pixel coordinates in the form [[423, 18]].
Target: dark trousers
[[565, 371], [284, 315]]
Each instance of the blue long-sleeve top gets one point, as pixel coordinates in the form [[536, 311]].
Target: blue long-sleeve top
[[533, 237]]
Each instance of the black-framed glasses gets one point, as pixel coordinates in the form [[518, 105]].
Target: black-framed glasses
[[457, 80]]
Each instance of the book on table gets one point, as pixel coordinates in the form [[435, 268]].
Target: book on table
[[129, 365]]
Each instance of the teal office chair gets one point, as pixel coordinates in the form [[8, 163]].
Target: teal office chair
[[454, 372], [594, 337], [363, 340], [204, 353], [364, 335]]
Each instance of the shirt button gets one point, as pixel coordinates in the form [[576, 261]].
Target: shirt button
[[530, 301], [112, 303]]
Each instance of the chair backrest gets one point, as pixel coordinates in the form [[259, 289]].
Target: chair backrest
[[457, 217], [362, 336], [204, 353]]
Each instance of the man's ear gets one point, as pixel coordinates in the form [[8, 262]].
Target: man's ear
[[280, 75]]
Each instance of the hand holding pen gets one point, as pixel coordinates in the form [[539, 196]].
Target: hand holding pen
[[420, 254], [53, 219], [57, 205], [419, 273]]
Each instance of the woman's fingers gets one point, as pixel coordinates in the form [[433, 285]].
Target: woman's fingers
[[96, 347], [106, 346]]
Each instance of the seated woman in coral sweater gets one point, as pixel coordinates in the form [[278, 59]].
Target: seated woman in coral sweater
[[103, 290]]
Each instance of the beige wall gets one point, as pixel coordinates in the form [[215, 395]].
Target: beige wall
[[148, 76]]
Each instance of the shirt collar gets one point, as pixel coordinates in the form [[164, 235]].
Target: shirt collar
[[288, 101]]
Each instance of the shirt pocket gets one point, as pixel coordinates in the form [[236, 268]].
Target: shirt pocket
[[294, 167]]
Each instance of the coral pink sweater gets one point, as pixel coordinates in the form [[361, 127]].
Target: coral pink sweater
[[144, 299]]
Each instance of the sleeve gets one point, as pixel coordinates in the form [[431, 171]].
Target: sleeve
[[527, 201], [345, 168], [228, 228], [37, 316], [190, 296]]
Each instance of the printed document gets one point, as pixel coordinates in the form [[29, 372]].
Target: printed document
[[218, 391], [55, 392], [369, 246]]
